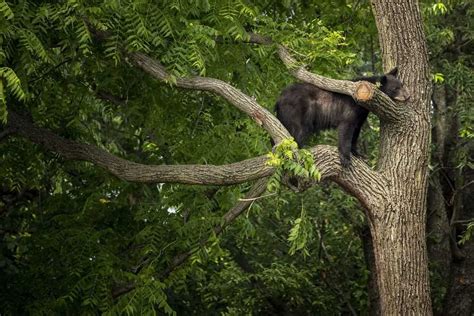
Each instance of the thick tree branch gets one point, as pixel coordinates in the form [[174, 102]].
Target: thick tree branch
[[234, 173], [236, 97], [376, 102], [367, 185], [242, 101], [359, 179]]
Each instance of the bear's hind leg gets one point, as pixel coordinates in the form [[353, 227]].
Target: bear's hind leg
[[345, 134]]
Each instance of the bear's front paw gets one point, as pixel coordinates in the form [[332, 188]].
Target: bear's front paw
[[345, 160], [358, 155]]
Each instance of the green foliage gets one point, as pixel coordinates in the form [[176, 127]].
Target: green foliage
[[438, 8], [438, 77], [300, 233], [468, 233], [72, 235], [287, 159], [13, 82], [6, 10], [450, 36], [253, 271]]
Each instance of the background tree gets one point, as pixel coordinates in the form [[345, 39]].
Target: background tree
[[450, 192]]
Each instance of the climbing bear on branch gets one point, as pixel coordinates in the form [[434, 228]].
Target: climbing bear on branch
[[305, 109]]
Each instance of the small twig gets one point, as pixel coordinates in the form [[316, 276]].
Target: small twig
[[5, 133], [197, 117], [257, 198], [463, 222], [348, 248], [456, 192], [106, 96], [50, 70]]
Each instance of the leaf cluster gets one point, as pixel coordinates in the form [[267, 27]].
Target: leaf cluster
[[287, 159]]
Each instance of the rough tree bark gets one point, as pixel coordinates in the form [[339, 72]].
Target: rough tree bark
[[393, 195], [398, 226], [398, 212]]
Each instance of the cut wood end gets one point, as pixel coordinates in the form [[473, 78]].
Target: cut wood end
[[364, 91]]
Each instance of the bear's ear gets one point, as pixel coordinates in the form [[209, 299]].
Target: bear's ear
[[393, 72]]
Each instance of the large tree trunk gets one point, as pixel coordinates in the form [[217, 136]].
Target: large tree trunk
[[398, 227]]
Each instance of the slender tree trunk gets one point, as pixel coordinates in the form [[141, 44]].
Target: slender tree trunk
[[460, 297], [373, 289], [458, 190], [438, 222], [439, 233], [398, 227]]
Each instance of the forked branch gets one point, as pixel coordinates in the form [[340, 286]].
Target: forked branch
[[246, 170], [236, 97], [359, 179]]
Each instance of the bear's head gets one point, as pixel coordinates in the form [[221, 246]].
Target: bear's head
[[391, 86]]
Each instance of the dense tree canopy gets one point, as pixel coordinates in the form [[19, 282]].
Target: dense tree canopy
[[76, 239]]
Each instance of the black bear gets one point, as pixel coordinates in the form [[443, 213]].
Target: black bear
[[305, 109]]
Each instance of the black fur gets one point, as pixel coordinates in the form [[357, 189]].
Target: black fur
[[305, 109]]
